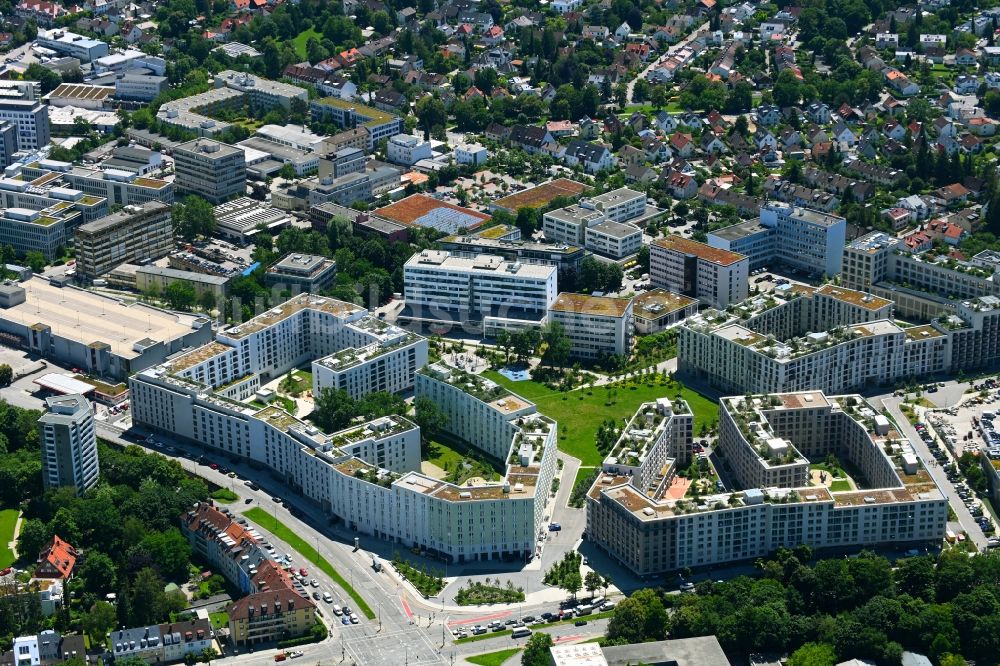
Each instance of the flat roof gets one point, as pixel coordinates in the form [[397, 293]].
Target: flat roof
[[82, 91], [659, 302], [738, 231], [700, 250], [375, 116], [859, 298], [604, 306], [64, 384], [287, 309], [615, 229], [483, 263], [86, 317], [426, 211], [541, 195]]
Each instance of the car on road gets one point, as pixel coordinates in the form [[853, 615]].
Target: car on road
[[314, 582], [345, 620], [336, 609], [327, 597], [554, 527], [295, 655], [317, 596], [276, 499], [348, 611], [687, 586], [248, 500], [354, 618], [214, 466], [303, 572], [580, 623], [232, 475]]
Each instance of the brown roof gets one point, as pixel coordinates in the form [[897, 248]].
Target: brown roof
[[604, 306], [700, 250], [412, 208], [541, 195]]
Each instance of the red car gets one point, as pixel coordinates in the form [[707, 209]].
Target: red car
[[303, 572], [214, 466], [6, 571]]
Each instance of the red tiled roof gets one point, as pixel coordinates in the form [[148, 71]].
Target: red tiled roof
[[56, 560]]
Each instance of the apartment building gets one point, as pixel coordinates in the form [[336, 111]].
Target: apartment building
[[613, 239], [47, 648], [210, 169], [274, 611], [69, 443], [366, 475], [654, 526], [714, 276], [388, 364], [231, 549], [132, 235], [831, 338], [806, 239], [407, 149], [923, 285], [301, 273], [658, 309], [597, 326], [485, 290]]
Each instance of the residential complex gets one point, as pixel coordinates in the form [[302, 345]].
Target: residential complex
[[802, 238], [367, 475], [713, 276], [653, 522], [597, 326], [213, 170], [69, 443], [604, 224], [658, 309], [485, 290], [298, 273], [349, 115], [132, 235]]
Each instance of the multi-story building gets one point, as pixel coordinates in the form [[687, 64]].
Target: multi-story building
[[802, 238], [30, 117], [232, 550], [119, 188], [613, 239], [140, 87], [71, 44], [569, 225], [45, 649], [47, 191], [831, 338], [133, 234], [158, 278], [658, 309], [300, 273], [597, 326], [342, 162], [274, 611], [210, 169], [660, 524], [46, 230], [563, 257], [486, 290], [367, 475], [8, 143], [620, 205], [599, 223], [714, 276], [69, 443], [349, 115], [407, 149]]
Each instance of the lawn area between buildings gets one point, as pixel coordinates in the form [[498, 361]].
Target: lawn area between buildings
[[282, 531], [302, 40], [8, 520], [587, 412], [493, 658]]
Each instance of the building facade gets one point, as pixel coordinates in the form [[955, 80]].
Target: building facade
[[210, 169], [597, 326], [69, 443], [697, 270], [134, 234]]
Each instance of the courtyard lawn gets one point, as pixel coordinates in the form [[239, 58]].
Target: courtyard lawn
[[493, 658], [220, 619], [283, 532], [450, 458], [8, 519], [581, 412], [302, 39], [840, 485]]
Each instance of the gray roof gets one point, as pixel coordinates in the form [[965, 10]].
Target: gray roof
[[701, 651]]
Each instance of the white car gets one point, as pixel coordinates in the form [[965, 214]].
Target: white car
[[354, 618]]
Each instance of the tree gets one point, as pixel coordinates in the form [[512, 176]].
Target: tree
[[181, 295], [6, 374], [813, 654], [35, 260], [431, 113], [572, 582], [149, 603], [536, 650], [33, 537], [642, 258], [194, 217], [207, 300], [170, 551], [98, 573], [49, 79], [99, 620], [429, 417], [287, 171], [334, 409], [558, 345], [593, 582]]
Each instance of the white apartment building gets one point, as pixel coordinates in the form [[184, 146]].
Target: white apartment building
[[31, 118], [831, 338], [694, 269], [69, 443], [407, 149], [368, 475], [653, 532], [471, 153], [597, 326], [620, 205], [389, 364], [441, 287], [799, 237]]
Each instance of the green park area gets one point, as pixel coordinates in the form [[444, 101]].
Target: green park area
[[302, 40], [493, 658], [8, 520], [283, 532], [582, 411]]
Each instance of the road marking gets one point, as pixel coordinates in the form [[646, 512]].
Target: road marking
[[406, 608], [564, 639], [494, 616]]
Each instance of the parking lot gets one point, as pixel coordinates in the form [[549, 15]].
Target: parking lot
[[571, 609]]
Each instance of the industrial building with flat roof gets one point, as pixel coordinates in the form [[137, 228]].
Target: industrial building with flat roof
[[239, 219], [101, 335], [540, 196]]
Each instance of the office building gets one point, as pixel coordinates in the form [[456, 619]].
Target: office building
[[713, 276], [605, 224], [102, 336], [349, 115], [46, 230], [658, 525], [569, 225], [120, 188], [156, 279], [132, 235], [563, 257], [482, 291], [368, 475], [210, 169], [805, 239], [241, 218], [30, 117], [658, 309], [620, 205], [298, 273], [137, 87], [407, 149], [8, 143], [69, 443], [613, 239], [597, 326], [341, 162], [46, 191], [71, 44]]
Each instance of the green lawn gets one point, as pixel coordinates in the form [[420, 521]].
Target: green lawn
[[579, 415], [493, 658], [8, 519], [219, 620], [840, 485], [280, 530], [224, 496], [450, 458], [300, 41]]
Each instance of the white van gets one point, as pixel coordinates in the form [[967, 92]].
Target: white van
[[520, 632], [336, 610], [327, 597]]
